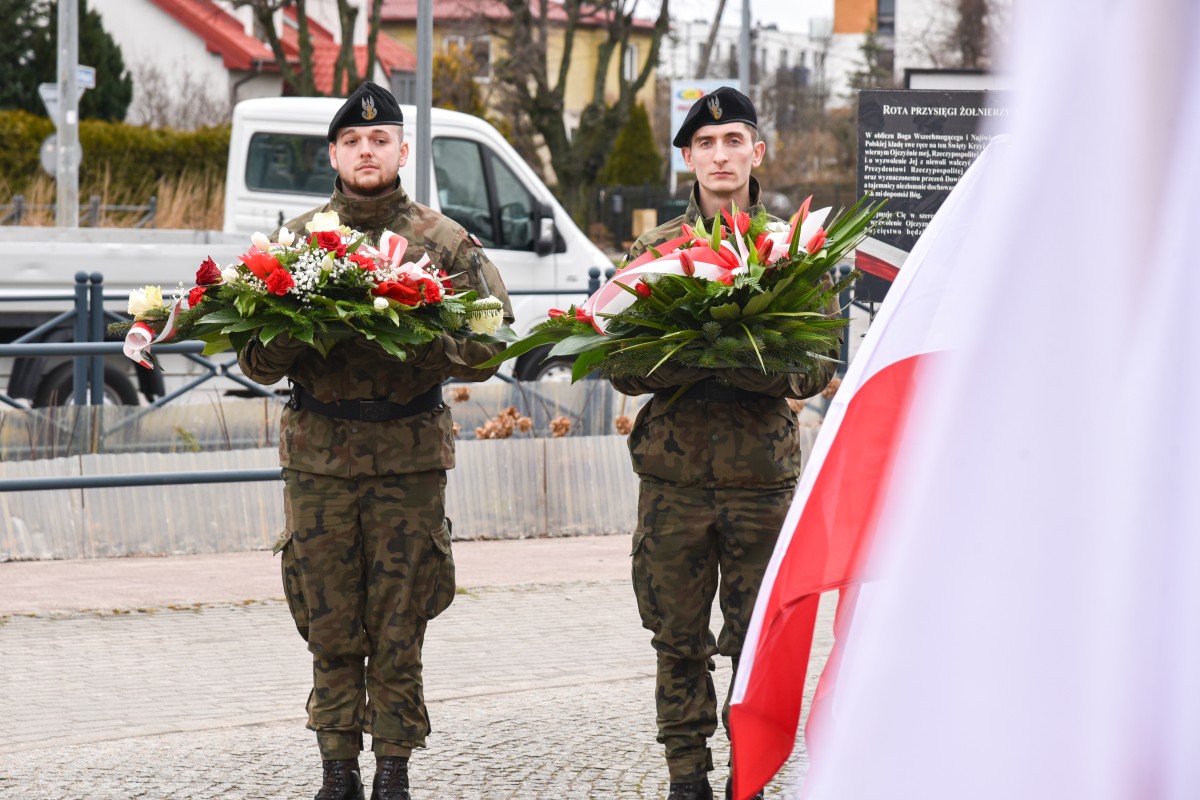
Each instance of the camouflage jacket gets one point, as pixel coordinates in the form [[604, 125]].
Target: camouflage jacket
[[748, 444], [359, 370]]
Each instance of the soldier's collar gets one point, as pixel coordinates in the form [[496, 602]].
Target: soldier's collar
[[693, 209], [370, 213]]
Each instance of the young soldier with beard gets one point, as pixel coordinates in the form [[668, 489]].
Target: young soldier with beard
[[365, 442], [717, 468]]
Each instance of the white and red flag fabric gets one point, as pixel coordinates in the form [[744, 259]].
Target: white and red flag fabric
[[833, 514], [1032, 625]]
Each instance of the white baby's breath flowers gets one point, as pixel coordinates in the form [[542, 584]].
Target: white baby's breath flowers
[[285, 237], [486, 315], [143, 300], [323, 221], [381, 303], [260, 241]]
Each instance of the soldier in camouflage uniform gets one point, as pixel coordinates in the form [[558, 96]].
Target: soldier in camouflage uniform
[[717, 468], [365, 444]]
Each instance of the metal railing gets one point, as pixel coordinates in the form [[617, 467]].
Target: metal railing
[[90, 213]]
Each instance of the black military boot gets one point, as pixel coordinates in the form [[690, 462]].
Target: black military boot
[[341, 781], [692, 790], [391, 779], [729, 791]]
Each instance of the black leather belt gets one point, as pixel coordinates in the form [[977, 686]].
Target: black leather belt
[[711, 392], [367, 410]]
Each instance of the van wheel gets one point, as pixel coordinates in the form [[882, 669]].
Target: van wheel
[[532, 367], [58, 387]]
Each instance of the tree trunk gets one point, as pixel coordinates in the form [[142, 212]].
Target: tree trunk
[[702, 71]]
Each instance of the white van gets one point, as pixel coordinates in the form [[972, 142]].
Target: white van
[[279, 168]]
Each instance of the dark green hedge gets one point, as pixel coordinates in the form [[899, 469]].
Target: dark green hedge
[[134, 157]]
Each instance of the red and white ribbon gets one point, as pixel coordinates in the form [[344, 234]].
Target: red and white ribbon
[[141, 336]]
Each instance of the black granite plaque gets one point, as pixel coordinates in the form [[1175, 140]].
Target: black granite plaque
[[913, 146]]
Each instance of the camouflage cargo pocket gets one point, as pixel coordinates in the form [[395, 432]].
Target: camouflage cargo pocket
[[436, 590], [293, 589]]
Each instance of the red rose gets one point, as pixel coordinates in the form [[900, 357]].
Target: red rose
[[279, 281], [643, 289], [816, 242], [195, 296], [209, 273], [260, 263], [687, 263], [330, 242], [365, 263], [394, 290]]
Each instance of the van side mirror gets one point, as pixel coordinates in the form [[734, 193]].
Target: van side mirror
[[547, 236]]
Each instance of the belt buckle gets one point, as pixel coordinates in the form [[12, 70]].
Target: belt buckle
[[371, 410]]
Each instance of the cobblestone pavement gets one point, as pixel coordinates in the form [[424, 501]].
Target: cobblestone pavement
[[535, 691]]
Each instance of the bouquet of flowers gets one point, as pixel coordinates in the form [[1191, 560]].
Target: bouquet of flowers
[[318, 289], [743, 294]]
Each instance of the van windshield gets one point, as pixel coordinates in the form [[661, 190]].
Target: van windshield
[[290, 163]]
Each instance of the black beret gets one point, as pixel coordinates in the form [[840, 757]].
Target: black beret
[[371, 104], [718, 107]]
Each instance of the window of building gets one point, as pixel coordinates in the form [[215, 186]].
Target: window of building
[[477, 48], [630, 64], [885, 18]]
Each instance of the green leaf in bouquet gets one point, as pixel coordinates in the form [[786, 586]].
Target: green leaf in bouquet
[[238, 341], [303, 334], [324, 345], [217, 344], [223, 316], [757, 352], [726, 312], [391, 348], [578, 343], [585, 363], [245, 304], [670, 353], [538, 338], [272, 329], [632, 320]]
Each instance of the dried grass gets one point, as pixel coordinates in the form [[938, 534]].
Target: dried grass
[[184, 202]]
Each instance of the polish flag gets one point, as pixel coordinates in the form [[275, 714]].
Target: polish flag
[[830, 525]]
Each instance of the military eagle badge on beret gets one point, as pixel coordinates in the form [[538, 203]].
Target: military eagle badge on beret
[[368, 109], [714, 106]]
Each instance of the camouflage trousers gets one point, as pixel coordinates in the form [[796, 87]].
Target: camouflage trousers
[[690, 543], [366, 564]]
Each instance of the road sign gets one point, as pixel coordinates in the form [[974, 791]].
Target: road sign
[[85, 76], [49, 94], [48, 155]]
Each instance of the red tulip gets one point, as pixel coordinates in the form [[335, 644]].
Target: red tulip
[[643, 289], [687, 263], [555, 313], [583, 316], [742, 222], [816, 242], [726, 279], [688, 230], [764, 251]]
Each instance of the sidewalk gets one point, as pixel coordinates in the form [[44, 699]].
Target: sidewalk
[[184, 677]]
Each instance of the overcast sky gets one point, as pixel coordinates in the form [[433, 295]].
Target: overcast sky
[[789, 15]]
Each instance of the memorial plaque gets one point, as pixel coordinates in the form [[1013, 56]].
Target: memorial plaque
[[913, 146]]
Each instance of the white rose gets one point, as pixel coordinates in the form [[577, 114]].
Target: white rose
[[260, 241], [229, 274], [285, 237], [324, 221], [381, 303], [143, 300]]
